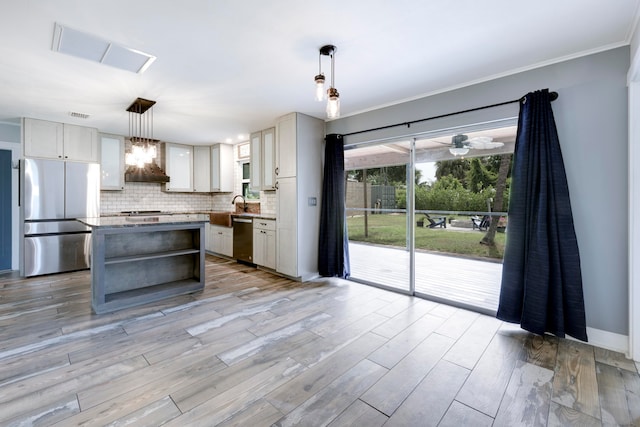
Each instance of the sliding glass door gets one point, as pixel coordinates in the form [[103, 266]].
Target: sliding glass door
[[426, 220]]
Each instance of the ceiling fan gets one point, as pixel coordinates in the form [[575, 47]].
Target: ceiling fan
[[460, 144]]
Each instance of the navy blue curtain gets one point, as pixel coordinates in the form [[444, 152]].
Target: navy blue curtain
[[541, 278], [333, 249]]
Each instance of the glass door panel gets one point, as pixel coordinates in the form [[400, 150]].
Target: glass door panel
[[377, 214], [457, 259]]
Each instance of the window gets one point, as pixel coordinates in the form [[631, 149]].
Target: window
[[247, 192]]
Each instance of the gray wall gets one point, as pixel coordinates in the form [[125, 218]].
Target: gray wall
[[10, 131], [591, 116]]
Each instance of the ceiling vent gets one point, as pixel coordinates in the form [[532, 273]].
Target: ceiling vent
[[93, 48], [78, 115]]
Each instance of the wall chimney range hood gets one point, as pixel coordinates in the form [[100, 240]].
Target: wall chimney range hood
[[149, 173]]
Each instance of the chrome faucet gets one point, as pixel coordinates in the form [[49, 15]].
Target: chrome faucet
[[244, 202]]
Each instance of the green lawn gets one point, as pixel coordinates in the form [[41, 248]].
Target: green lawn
[[390, 229]]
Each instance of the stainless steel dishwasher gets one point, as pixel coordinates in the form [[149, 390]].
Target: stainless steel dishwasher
[[243, 239]]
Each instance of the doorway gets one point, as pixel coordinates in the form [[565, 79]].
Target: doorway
[[6, 217]]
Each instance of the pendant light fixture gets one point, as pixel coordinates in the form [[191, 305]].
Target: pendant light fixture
[[333, 97], [143, 146]]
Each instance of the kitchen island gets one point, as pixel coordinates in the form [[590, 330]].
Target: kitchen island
[[140, 259]]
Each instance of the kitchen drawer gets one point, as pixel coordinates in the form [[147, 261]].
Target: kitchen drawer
[[264, 224]]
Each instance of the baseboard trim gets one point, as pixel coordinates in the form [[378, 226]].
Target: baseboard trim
[[608, 340]]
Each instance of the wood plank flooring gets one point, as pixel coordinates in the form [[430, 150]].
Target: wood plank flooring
[[255, 349]]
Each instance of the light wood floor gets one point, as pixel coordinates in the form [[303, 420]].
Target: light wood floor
[[254, 349]]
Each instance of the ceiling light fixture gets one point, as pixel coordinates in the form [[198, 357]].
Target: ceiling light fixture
[[458, 147], [333, 97], [143, 146]]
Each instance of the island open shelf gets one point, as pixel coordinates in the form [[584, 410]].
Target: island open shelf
[[141, 262]]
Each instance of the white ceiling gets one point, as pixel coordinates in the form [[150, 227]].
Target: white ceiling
[[227, 67]]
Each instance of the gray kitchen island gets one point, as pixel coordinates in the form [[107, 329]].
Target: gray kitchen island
[[140, 259]]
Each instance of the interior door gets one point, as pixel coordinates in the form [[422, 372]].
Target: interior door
[[5, 210]]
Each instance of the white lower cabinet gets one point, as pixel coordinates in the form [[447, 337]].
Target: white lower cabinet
[[287, 253], [220, 240], [264, 242]]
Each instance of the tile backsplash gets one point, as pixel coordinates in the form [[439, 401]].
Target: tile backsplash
[[149, 196]]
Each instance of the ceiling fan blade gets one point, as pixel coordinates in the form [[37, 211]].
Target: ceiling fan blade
[[484, 143]]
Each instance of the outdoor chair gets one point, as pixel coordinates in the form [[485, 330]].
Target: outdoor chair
[[481, 224], [438, 222]]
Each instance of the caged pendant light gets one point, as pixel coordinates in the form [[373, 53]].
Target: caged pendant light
[[333, 97]]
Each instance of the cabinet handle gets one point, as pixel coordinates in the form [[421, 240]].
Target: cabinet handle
[[276, 186], [277, 171]]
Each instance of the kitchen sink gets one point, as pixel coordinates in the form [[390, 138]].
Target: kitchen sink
[[221, 218]]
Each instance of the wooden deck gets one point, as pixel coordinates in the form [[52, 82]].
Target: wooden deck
[[461, 281], [256, 349]]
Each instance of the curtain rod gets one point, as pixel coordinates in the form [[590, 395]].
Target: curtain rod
[[552, 95]]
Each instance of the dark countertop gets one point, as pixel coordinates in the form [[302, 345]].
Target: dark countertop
[[143, 220], [245, 214], [254, 215]]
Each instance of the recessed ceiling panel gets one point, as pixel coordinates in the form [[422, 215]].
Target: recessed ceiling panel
[[76, 43], [87, 46], [127, 59]]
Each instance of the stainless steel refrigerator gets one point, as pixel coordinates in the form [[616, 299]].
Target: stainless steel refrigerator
[[53, 194]]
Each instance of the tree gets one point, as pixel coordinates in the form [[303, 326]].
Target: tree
[[386, 175], [478, 176], [456, 168], [498, 200]]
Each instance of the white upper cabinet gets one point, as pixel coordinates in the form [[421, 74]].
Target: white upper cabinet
[[286, 164], [179, 167], [81, 143], [222, 168], [268, 159], [263, 160], [52, 140], [112, 162], [256, 158], [201, 169]]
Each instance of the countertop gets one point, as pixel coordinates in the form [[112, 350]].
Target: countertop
[[245, 214], [143, 220], [254, 215]]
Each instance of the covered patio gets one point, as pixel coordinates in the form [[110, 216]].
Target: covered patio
[[470, 283]]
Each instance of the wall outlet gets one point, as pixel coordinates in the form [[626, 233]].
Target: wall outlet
[[312, 201]]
